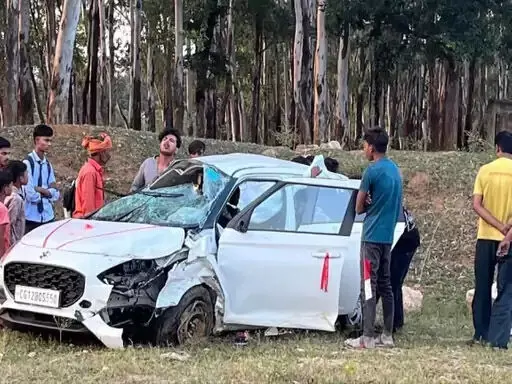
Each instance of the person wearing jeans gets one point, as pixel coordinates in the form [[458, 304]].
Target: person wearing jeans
[[380, 197], [492, 201], [401, 257], [501, 313]]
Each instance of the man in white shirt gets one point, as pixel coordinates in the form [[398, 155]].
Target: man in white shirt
[[41, 189]]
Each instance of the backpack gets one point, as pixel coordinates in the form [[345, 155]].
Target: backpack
[[32, 166], [68, 198]]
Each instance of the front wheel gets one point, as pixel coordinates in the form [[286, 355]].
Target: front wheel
[[188, 322]]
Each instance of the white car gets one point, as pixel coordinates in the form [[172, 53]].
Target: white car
[[175, 261]]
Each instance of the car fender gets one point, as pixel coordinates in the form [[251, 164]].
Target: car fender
[[185, 276]]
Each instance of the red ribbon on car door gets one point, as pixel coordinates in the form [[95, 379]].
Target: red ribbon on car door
[[324, 282]]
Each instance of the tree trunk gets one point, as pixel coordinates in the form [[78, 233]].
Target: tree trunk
[[102, 65], [13, 63], [111, 63], [451, 108], [468, 125], [131, 55], [256, 79], [70, 99], [150, 73], [50, 38], [135, 119], [342, 117], [168, 79], [302, 70], [93, 56], [178, 71], [25, 99], [320, 105], [62, 64], [231, 82], [190, 77]]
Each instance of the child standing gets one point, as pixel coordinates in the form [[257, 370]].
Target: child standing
[[5, 224], [16, 202]]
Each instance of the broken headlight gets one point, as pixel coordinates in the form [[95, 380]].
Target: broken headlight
[[134, 272]]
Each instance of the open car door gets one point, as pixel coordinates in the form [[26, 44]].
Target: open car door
[[280, 260]]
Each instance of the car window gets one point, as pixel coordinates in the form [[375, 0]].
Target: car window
[[251, 190], [311, 209]]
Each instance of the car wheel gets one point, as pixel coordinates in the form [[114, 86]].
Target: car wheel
[[190, 321], [355, 319]]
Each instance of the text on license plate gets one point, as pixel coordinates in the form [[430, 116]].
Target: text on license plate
[[37, 296]]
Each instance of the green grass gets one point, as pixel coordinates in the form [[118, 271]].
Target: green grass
[[430, 349]]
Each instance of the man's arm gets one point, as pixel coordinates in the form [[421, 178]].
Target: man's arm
[[52, 187], [362, 195], [139, 181], [32, 195], [15, 210], [487, 216]]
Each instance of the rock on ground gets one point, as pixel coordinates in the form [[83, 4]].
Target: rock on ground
[[413, 299], [471, 293]]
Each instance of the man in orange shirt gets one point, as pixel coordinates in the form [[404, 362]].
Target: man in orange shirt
[[89, 194]]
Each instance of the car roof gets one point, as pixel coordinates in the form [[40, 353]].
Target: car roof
[[236, 164]]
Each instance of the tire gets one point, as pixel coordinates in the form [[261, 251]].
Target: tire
[[353, 320], [189, 321]]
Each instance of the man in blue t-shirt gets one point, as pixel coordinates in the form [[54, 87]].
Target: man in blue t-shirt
[[380, 197]]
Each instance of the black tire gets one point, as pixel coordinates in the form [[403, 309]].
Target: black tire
[[189, 321]]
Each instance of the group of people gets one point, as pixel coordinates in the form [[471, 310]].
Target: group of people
[[29, 191]]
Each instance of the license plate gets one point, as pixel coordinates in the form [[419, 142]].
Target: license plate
[[37, 296]]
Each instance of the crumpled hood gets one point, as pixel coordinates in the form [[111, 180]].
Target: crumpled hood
[[125, 240]]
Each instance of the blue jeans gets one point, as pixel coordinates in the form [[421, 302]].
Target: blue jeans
[[501, 314]]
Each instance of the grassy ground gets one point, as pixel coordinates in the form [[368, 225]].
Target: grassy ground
[[430, 350]]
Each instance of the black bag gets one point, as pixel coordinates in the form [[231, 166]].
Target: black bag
[[68, 198]]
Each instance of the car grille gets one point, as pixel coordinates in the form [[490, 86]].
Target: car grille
[[71, 284]]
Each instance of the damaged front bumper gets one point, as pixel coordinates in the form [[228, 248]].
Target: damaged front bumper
[[73, 319]]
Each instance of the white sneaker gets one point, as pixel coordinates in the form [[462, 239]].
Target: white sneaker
[[385, 341], [362, 342]]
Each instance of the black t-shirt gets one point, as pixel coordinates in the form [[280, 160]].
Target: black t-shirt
[[410, 239]]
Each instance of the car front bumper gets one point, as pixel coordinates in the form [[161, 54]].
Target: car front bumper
[[73, 319]]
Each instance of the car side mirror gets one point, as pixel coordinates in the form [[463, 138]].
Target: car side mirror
[[242, 225]]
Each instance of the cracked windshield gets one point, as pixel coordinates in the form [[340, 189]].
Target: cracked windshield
[[185, 204]]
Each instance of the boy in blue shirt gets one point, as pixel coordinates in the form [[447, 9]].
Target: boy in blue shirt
[[380, 197]]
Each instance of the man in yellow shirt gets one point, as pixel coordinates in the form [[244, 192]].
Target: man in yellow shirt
[[492, 201]]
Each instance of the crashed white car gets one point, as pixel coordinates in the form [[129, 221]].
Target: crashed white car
[[216, 243]]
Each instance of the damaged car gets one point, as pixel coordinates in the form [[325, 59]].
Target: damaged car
[[216, 243]]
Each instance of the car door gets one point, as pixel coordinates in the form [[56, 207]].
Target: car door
[[282, 267]]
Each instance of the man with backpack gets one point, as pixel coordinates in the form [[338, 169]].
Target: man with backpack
[[41, 189], [89, 187]]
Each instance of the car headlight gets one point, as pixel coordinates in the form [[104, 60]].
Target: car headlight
[[137, 271]]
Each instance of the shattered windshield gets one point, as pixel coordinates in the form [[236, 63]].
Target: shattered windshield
[[184, 205]]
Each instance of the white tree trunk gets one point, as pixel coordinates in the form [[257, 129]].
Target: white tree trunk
[[178, 71], [13, 62], [343, 91], [320, 104], [297, 52], [62, 63]]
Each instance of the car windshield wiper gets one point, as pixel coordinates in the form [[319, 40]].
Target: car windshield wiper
[[161, 194]]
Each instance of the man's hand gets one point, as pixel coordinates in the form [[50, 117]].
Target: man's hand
[[505, 229], [315, 171], [368, 200], [503, 248], [43, 191]]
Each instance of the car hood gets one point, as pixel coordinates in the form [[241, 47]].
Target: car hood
[[124, 240]]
